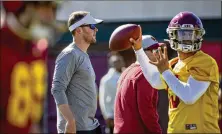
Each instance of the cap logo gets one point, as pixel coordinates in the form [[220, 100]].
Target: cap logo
[[153, 38]]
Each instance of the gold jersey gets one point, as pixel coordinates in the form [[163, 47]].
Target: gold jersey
[[202, 116]]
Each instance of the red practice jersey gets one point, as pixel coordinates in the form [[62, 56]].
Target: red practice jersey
[[23, 81]]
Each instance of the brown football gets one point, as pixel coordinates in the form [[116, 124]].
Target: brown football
[[119, 39]]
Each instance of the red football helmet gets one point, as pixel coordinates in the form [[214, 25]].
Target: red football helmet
[[185, 32]]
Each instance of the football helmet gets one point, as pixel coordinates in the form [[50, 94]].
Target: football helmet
[[185, 32]]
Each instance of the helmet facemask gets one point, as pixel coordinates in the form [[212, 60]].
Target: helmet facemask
[[185, 38]]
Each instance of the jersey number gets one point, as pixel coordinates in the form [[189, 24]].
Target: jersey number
[[28, 85], [174, 101]]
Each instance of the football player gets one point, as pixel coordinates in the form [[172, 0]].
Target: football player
[[191, 79], [23, 67]]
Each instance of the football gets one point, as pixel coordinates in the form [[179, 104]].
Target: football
[[119, 39]]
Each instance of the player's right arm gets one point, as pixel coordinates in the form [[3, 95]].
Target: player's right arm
[[64, 69], [150, 71]]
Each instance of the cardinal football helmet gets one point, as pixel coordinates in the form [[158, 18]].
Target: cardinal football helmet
[[185, 32]]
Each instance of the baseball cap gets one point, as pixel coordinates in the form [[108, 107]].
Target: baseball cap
[[150, 43], [88, 19]]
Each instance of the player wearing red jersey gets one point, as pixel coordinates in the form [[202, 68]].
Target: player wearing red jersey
[[23, 67]]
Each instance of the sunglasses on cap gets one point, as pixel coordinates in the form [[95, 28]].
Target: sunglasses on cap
[[154, 48], [91, 26]]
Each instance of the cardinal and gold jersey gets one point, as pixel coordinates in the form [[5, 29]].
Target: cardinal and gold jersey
[[23, 82], [202, 116]]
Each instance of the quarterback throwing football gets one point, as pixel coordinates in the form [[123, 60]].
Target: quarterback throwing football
[[192, 78]]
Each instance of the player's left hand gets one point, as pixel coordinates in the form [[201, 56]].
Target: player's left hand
[[161, 60]]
